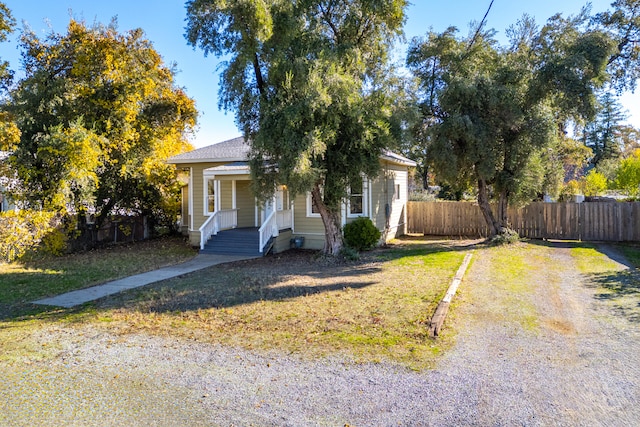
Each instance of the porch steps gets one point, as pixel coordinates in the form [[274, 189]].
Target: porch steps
[[238, 241]]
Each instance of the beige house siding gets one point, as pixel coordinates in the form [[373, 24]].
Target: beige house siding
[[283, 241], [185, 218], [197, 202], [398, 214], [310, 227], [390, 189], [226, 195]]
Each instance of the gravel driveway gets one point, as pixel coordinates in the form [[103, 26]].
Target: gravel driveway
[[579, 365]]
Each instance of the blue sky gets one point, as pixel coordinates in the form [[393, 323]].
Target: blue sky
[[164, 21]]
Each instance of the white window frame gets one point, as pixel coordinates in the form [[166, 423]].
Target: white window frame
[[310, 212], [365, 200], [216, 191], [397, 195]]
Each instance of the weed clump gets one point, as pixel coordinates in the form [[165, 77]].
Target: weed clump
[[506, 236]]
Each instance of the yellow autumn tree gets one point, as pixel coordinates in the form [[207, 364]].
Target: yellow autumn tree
[[98, 113]]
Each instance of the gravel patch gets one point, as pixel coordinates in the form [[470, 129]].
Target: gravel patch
[[578, 366]]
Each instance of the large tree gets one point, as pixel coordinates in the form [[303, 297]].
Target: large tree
[[306, 81], [603, 134], [622, 24], [98, 112], [501, 109]]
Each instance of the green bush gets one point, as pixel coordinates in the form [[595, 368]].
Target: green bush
[[28, 231], [361, 234]]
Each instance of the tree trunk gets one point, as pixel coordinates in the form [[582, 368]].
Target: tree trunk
[[485, 207], [425, 178], [503, 205], [333, 241]]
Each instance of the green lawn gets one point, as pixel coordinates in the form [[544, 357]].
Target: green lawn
[[25, 281]]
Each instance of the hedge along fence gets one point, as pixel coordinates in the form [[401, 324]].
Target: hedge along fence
[[26, 231], [596, 221]]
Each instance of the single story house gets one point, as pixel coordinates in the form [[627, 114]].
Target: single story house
[[217, 197]]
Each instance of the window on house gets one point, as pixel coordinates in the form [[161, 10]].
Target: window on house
[[396, 194], [356, 197], [311, 208], [211, 196]]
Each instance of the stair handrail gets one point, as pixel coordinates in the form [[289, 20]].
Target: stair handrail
[[285, 219], [268, 230], [208, 229]]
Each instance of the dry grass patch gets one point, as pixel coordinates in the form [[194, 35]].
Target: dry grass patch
[[372, 310]]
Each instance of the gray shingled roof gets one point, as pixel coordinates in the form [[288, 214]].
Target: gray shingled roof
[[233, 150], [236, 150], [397, 158]]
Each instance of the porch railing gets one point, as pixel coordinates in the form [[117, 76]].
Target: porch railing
[[227, 219], [268, 230], [220, 220], [284, 219]]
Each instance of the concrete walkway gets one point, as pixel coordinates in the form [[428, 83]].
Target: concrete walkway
[[74, 298]]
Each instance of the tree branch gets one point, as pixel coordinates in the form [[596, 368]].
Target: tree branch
[[258, 73]]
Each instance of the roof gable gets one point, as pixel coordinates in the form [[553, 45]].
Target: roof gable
[[232, 150]]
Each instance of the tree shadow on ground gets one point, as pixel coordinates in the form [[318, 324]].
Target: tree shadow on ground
[[22, 311], [561, 244], [250, 281], [286, 276], [621, 289]]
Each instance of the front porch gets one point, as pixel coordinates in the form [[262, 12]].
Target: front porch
[[221, 233]]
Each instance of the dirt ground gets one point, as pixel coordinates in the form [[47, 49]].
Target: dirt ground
[[558, 344]]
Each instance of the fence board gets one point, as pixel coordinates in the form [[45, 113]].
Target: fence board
[[598, 221]]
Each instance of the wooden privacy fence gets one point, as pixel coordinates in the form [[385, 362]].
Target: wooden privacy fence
[[600, 221]]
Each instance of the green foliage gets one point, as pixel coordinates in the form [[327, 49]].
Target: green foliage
[[361, 234], [98, 113], [7, 24], [594, 183], [628, 175], [603, 133], [622, 24], [448, 192], [495, 112], [569, 190], [26, 231], [308, 83], [422, 196]]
